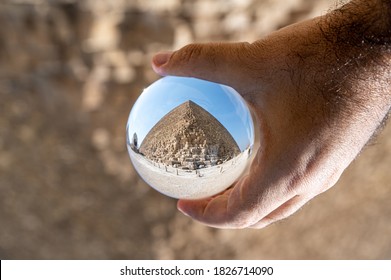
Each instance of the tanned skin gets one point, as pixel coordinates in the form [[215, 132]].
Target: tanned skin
[[320, 90]]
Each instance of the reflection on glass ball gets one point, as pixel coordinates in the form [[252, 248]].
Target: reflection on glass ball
[[190, 138]]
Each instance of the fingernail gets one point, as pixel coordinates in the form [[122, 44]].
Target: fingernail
[[184, 213], [181, 210], [161, 58]]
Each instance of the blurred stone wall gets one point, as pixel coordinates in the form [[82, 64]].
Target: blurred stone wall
[[69, 74]]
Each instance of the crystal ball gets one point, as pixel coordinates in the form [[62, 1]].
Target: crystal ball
[[190, 138]]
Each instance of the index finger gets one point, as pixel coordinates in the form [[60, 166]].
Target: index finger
[[241, 206]]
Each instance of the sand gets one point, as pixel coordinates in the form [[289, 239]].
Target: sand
[[190, 184]]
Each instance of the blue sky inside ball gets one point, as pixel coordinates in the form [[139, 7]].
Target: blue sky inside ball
[[223, 102]]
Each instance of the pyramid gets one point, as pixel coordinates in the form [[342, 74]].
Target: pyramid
[[190, 137]]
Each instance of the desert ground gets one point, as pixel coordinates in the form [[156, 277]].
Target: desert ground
[[190, 184], [69, 74]]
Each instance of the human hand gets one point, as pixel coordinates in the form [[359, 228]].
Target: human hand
[[318, 99]]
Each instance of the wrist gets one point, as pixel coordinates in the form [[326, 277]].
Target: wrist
[[361, 22], [358, 50]]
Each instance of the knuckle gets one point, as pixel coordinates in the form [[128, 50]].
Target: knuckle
[[243, 219], [255, 55], [241, 224], [189, 52]]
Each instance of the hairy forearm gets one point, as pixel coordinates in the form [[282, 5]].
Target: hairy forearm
[[358, 39], [361, 22]]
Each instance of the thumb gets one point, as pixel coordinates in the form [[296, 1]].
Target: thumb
[[225, 63]]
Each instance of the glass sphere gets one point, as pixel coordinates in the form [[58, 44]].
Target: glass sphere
[[189, 138]]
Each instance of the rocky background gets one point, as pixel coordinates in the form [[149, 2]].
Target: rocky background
[[69, 74]]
